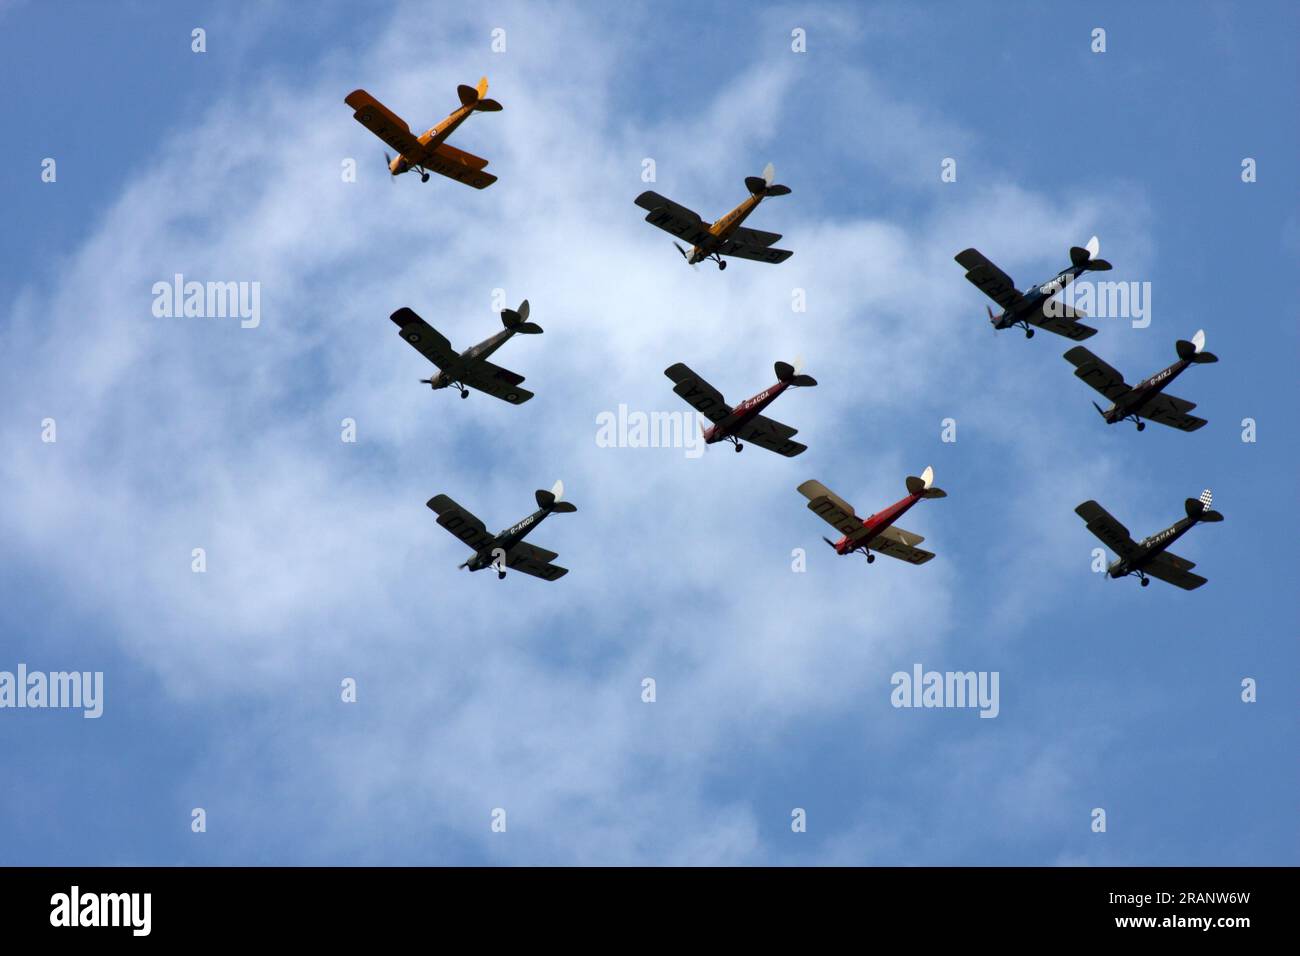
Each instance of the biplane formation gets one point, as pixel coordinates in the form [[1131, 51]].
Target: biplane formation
[[1034, 308]]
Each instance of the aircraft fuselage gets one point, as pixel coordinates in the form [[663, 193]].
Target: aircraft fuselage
[[1148, 548], [432, 137], [1035, 295], [877, 523], [449, 376], [743, 413], [721, 230], [505, 540], [1144, 392]]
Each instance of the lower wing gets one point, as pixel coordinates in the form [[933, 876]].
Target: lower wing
[[495, 381], [1172, 411], [673, 218], [457, 164], [988, 278], [1109, 531], [427, 340], [774, 436], [832, 509], [1174, 570], [895, 548], [740, 249], [460, 522], [1097, 373], [699, 394], [1061, 320], [383, 122], [533, 560]]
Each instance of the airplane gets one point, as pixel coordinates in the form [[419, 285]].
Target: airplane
[[876, 532], [471, 367], [743, 421], [430, 151], [1150, 555], [1023, 309], [726, 237], [1147, 398], [506, 549]]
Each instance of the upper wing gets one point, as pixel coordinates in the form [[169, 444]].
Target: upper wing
[[1097, 373], [1062, 322], [755, 237], [832, 509], [1172, 411], [743, 249], [992, 281], [447, 160], [699, 394], [460, 522], [674, 218], [495, 381], [1175, 570], [774, 436], [432, 344], [1104, 526], [883, 543], [383, 122], [533, 560]]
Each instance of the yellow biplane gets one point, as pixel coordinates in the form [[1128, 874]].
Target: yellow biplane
[[429, 152]]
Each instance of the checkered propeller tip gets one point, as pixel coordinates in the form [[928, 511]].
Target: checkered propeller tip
[[1207, 499]]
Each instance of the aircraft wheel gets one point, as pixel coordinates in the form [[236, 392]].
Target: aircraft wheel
[[739, 447], [1146, 581], [1029, 333], [871, 558], [1141, 426], [464, 394], [501, 575], [722, 265], [424, 177]]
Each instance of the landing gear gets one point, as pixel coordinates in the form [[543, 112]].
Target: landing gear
[[1029, 333], [1142, 578], [1141, 425], [735, 441], [870, 558], [501, 575], [1145, 580], [424, 177], [464, 393], [721, 265], [739, 447]]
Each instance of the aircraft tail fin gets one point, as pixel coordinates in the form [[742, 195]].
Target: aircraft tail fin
[[924, 486], [1198, 509], [475, 96], [1195, 349], [551, 500], [763, 185], [1087, 256], [517, 320]]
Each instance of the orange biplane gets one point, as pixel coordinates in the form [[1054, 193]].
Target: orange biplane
[[726, 237], [429, 152]]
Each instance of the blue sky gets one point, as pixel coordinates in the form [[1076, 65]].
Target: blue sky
[[222, 689]]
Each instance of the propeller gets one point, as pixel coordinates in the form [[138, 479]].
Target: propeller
[[427, 381], [687, 256], [388, 162]]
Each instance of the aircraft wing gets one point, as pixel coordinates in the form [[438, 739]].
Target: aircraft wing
[[885, 544], [1172, 411], [427, 340], [460, 522], [1111, 533], [383, 122], [1062, 322], [773, 436], [895, 533], [741, 249], [674, 218], [447, 160], [1097, 373], [699, 394], [533, 560], [832, 509], [991, 280], [1174, 570], [755, 237], [495, 381]]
